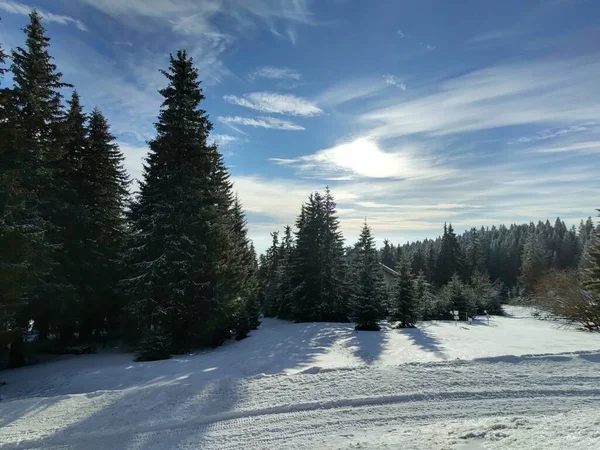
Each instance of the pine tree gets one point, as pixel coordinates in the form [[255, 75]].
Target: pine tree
[[591, 264], [32, 133], [333, 305], [404, 300], [270, 288], [22, 247], [181, 256], [368, 291], [104, 197], [307, 261], [246, 310], [284, 275], [387, 254], [449, 261], [533, 262], [71, 221]]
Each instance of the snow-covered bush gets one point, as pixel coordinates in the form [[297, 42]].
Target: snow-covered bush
[[562, 294]]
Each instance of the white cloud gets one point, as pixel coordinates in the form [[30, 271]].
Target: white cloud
[[270, 102], [392, 80], [198, 17], [553, 133], [362, 157], [275, 73], [580, 147], [260, 122], [223, 140], [542, 92], [351, 90], [24, 10], [400, 33]]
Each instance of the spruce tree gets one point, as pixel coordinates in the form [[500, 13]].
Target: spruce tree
[[533, 262], [591, 264], [271, 270], [71, 222], [104, 196], [181, 256], [404, 302], [307, 262], [387, 254], [368, 290], [333, 305], [284, 275], [23, 253], [449, 260], [30, 160]]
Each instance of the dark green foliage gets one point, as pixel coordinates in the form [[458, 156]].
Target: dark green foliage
[[368, 290], [318, 266], [534, 262], [154, 346], [404, 300], [456, 297], [388, 257], [191, 268], [30, 150], [590, 270], [449, 261], [484, 295]]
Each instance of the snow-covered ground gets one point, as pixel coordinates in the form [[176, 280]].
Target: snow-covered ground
[[518, 382]]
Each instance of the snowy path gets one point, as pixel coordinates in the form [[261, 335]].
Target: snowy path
[[324, 386], [328, 408]]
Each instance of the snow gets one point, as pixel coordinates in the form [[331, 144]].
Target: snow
[[518, 382]]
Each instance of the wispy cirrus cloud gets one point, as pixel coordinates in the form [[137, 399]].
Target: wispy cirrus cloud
[[260, 122], [271, 102], [275, 73], [551, 133], [24, 10], [534, 93]]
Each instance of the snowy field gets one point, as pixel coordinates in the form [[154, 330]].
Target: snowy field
[[516, 383]]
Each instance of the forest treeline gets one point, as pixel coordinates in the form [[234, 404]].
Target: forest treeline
[[171, 268]]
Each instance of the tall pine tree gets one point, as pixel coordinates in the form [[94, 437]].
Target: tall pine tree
[[404, 301], [184, 279], [35, 122], [449, 261], [368, 290]]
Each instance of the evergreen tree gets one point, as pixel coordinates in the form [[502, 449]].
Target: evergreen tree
[[333, 305], [387, 254], [533, 262], [71, 222], [404, 297], [181, 256], [31, 134], [284, 275], [307, 261], [457, 298], [22, 245], [449, 260], [104, 197], [368, 291], [246, 310], [271, 277], [591, 265]]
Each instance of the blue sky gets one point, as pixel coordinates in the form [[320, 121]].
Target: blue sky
[[415, 113]]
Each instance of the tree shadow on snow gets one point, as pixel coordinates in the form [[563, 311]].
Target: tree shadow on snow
[[368, 345], [425, 340]]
